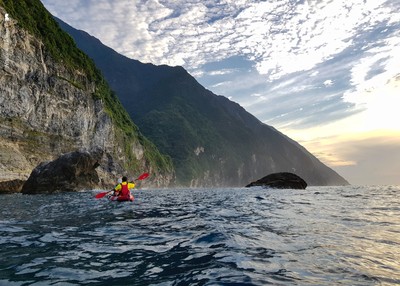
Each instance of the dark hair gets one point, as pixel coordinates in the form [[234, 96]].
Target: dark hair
[[124, 179]]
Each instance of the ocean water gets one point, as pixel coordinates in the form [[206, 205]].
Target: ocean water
[[318, 236]]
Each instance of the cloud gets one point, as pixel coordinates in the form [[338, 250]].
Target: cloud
[[321, 55], [274, 34], [381, 105], [280, 37], [224, 83]]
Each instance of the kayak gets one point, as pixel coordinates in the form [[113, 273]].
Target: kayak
[[121, 198]]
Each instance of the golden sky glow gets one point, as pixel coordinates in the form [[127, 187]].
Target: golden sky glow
[[377, 127]]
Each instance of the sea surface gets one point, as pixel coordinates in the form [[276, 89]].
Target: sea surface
[[318, 236]]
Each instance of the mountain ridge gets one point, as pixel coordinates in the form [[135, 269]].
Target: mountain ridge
[[211, 140]]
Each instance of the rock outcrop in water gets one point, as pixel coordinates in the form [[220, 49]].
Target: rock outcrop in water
[[74, 171], [282, 180]]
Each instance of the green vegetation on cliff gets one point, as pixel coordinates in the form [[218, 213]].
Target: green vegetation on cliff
[[34, 18], [190, 125]]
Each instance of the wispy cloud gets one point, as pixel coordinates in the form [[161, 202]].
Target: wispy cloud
[[280, 37], [275, 34], [319, 54]]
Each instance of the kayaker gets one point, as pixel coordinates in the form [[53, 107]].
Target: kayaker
[[122, 190]]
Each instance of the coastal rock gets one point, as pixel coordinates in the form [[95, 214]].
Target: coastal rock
[[70, 172], [12, 186], [52, 103], [282, 180]]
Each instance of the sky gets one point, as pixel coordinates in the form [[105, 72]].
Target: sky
[[326, 73]]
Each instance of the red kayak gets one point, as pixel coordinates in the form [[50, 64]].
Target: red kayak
[[121, 198]]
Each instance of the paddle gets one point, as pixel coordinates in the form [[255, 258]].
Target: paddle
[[103, 194]]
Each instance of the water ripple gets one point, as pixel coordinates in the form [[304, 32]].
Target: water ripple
[[319, 236]]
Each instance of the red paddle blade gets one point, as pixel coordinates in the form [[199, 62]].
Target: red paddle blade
[[101, 195], [143, 176]]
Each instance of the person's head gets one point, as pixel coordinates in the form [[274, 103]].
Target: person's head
[[124, 179]]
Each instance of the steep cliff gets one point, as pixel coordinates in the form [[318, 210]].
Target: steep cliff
[[212, 140], [53, 100]]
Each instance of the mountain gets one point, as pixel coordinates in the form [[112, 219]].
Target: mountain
[[54, 100], [211, 140]]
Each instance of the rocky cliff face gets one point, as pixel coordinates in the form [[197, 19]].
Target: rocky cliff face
[[47, 109]]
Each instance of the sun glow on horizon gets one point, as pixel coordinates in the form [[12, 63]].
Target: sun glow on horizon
[[379, 123]]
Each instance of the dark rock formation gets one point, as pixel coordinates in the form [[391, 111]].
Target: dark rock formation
[[71, 172], [280, 181], [12, 186]]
